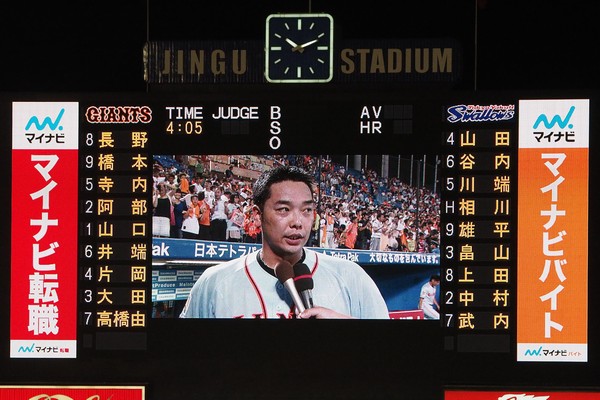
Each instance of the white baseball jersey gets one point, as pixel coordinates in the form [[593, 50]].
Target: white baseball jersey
[[241, 288], [428, 295]]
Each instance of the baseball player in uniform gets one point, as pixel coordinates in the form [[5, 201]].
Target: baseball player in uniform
[[247, 287], [427, 298]]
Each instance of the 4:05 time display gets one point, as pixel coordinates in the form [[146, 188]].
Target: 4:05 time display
[[184, 127]]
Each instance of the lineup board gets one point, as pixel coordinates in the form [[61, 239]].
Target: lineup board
[[88, 162]]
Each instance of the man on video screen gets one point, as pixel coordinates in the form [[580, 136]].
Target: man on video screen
[[261, 284]]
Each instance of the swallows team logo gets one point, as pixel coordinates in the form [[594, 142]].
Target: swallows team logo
[[480, 113]]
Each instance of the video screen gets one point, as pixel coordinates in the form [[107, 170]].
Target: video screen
[[379, 211]]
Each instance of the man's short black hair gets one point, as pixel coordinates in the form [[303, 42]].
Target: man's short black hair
[[261, 190]]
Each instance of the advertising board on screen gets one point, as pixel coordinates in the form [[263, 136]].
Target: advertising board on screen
[[553, 239], [44, 230]]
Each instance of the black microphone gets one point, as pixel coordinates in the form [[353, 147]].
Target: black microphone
[[304, 284], [285, 273]]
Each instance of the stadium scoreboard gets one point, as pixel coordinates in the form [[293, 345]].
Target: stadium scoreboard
[[513, 186]]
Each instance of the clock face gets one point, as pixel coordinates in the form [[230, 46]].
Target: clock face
[[299, 48]]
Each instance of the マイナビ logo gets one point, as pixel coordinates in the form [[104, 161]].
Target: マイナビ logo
[[45, 125], [554, 123], [556, 120], [51, 124]]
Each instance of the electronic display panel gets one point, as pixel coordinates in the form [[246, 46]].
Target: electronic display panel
[[478, 177], [350, 195]]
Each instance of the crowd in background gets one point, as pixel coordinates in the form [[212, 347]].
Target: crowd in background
[[355, 209]]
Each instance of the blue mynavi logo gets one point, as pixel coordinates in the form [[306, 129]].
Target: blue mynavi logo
[[556, 120], [47, 122], [25, 349], [534, 352]]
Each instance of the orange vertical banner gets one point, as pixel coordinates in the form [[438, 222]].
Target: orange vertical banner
[[552, 260]]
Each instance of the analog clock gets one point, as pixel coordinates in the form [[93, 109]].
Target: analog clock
[[299, 48]]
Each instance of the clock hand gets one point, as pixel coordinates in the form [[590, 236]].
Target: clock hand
[[309, 43], [300, 48], [291, 43], [295, 47]]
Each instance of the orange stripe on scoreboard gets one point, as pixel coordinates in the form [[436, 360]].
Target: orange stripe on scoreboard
[[552, 261]]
